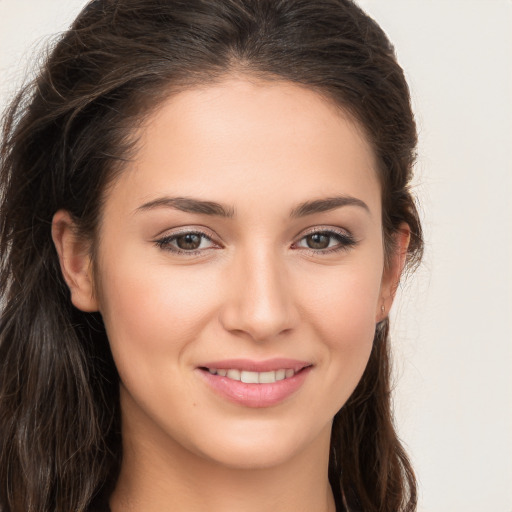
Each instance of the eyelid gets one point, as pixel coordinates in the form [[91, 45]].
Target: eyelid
[[183, 230], [164, 240], [346, 239], [325, 229]]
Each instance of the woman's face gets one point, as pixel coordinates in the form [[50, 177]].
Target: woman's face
[[243, 241]]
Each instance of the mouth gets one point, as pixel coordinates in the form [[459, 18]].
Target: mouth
[[250, 377], [255, 384]]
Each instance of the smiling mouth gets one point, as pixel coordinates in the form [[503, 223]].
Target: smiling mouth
[[250, 377], [255, 383]]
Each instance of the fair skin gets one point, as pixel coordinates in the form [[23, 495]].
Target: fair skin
[[256, 284]]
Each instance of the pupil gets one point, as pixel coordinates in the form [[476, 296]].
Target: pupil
[[189, 241], [318, 241]]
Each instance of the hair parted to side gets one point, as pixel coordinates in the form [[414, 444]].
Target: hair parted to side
[[65, 138]]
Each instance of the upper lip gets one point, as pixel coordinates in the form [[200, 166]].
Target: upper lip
[[249, 365]]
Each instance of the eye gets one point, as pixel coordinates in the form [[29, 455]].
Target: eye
[[186, 242], [326, 241]]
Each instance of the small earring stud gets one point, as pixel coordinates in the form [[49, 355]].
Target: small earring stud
[[382, 308]]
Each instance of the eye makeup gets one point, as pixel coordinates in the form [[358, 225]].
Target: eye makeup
[[320, 241], [319, 236], [189, 243]]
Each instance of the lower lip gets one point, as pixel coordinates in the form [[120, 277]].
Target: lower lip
[[255, 395]]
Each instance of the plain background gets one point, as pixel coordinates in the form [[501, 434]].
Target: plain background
[[452, 334]]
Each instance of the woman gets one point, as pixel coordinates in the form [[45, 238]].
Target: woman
[[204, 220]]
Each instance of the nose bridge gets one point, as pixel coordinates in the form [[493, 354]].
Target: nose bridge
[[261, 301]]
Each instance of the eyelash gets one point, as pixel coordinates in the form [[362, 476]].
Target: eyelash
[[345, 242], [165, 242]]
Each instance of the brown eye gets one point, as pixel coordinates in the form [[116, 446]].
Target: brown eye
[[189, 241], [318, 240], [327, 242]]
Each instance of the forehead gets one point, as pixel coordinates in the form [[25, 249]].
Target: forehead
[[253, 138]]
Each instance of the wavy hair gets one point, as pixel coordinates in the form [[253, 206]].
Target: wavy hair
[[65, 137]]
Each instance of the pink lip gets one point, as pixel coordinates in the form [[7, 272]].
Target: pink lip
[[255, 395]]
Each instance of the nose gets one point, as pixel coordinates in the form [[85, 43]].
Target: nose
[[260, 301]]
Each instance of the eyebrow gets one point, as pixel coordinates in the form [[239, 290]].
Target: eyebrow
[[191, 205], [326, 204]]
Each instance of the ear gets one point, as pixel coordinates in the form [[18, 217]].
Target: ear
[[75, 261], [393, 271]]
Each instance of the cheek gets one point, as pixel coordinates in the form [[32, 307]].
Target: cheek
[[157, 315], [342, 312], [151, 313], [350, 332], [343, 300]]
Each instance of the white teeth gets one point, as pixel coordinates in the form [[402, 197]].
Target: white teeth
[[233, 374], [254, 377], [267, 377], [249, 377]]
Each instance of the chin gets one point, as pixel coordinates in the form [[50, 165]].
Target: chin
[[251, 446]]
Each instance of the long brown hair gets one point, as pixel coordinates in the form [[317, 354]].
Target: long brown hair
[[65, 137]]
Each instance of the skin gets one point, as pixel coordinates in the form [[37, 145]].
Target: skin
[[255, 289]]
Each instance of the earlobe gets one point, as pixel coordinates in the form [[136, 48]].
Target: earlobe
[[75, 262], [393, 271]]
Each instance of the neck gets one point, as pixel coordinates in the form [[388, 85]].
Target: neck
[[158, 474]]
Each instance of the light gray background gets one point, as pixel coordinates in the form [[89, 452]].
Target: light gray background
[[453, 334]]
